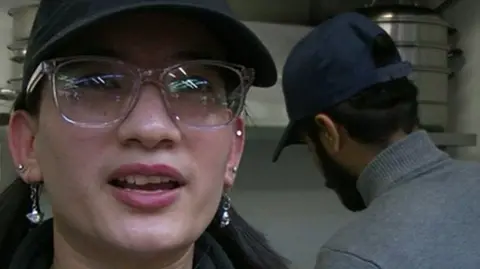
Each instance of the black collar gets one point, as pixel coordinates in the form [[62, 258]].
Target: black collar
[[36, 251]]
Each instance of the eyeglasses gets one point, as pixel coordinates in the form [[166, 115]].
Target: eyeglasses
[[96, 92]]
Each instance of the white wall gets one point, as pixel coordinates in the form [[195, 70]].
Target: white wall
[[296, 222], [287, 200], [464, 92], [7, 170], [267, 105], [5, 39], [5, 63]]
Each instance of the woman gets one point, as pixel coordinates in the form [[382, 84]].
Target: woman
[[130, 120]]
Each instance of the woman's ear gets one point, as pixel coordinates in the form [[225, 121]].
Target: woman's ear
[[21, 137], [329, 135], [236, 153]]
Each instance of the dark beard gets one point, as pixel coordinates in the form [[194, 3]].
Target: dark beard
[[340, 181]]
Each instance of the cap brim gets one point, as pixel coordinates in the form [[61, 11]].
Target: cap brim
[[243, 46], [289, 137]]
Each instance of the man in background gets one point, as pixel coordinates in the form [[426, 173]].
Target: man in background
[[348, 97]]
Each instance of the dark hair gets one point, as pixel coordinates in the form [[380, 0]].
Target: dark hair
[[245, 246], [374, 114], [14, 205]]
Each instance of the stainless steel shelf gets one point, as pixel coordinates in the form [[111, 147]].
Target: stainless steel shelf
[[454, 139]]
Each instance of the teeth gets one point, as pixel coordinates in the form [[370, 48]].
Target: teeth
[[144, 180]]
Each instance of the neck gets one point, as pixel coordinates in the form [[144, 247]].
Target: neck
[[81, 252]]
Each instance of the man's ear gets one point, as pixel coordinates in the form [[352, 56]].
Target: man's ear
[[329, 135], [236, 153], [21, 137]]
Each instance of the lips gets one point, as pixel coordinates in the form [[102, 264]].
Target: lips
[[146, 183], [146, 177], [146, 187]]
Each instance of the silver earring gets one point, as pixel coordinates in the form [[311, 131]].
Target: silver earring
[[35, 216], [234, 169], [20, 168], [226, 205], [239, 133]]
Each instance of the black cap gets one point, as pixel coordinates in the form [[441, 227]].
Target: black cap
[[58, 20], [331, 64]]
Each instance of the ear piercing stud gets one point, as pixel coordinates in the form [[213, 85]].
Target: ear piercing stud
[[20, 168]]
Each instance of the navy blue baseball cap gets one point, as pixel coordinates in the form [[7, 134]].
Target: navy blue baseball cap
[[58, 20], [331, 64]]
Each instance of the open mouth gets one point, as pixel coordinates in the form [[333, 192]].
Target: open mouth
[[146, 183]]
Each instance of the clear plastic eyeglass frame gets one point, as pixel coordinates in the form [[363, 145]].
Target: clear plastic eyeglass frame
[[49, 69]]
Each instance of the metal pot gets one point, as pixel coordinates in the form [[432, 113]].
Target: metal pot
[[433, 114], [8, 94], [421, 37], [17, 70], [18, 51], [23, 18], [423, 56], [432, 85], [420, 34], [423, 29]]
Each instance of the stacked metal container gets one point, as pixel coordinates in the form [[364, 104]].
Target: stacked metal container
[[422, 38], [22, 23]]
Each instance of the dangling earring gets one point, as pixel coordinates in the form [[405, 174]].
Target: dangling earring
[[226, 205], [35, 216]]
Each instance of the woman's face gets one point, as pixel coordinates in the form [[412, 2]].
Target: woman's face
[[76, 164]]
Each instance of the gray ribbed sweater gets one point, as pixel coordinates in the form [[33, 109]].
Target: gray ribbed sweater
[[423, 213]]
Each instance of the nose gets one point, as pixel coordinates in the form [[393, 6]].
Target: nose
[[148, 124]]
